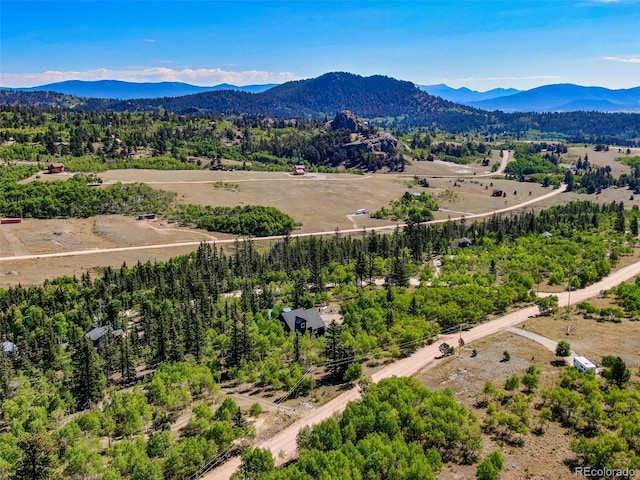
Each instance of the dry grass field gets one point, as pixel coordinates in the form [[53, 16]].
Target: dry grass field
[[320, 202]]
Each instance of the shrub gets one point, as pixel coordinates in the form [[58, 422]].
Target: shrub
[[353, 372], [563, 349], [489, 468], [255, 410]]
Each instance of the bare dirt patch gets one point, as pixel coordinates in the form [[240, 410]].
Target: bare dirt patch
[[590, 338]]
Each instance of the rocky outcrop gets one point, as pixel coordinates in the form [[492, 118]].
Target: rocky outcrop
[[346, 119], [380, 142], [362, 138]]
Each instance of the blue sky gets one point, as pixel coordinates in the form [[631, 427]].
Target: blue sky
[[474, 43]]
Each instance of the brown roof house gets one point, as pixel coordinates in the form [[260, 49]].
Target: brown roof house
[[56, 167]]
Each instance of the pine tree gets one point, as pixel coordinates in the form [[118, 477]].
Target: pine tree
[[88, 379], [333, 348], [160, 331], [38, 457], [360, 268], [234, 355], [633, 226], [399, 274], [620, 223], [108, 351], [5, 375], [338, 355], [176, 345], [127, 359]]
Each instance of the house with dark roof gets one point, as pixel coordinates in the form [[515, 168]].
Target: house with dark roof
[[464, 242], [303, 321], [97, 334]]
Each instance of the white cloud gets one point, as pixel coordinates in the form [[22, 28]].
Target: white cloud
[[149, 40], [498, 79], [622, 59], [199, 76]]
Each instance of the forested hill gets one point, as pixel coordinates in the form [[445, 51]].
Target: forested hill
[[370, 97], [375, 96], [386, 101]]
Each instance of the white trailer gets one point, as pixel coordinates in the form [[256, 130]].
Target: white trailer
[[583, 364]]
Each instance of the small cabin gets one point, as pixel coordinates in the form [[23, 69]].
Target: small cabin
[[56, 167], [583, 364], [298, 170]]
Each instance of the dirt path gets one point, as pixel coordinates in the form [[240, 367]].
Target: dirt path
[[283, 444], [164, 231], [311, 176], [352, 220], [544, 341], [503, 164], [15, 243]]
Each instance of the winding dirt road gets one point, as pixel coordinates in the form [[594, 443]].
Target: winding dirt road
[[283, 444]]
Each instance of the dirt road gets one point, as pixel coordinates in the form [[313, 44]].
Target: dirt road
[[283, 445], [503, 164]]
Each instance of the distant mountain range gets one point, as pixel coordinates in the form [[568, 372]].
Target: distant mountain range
[[383, 100], [549, 98], [118, 90], [465, 95]]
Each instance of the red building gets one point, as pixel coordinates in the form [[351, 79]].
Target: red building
[[56, 168]]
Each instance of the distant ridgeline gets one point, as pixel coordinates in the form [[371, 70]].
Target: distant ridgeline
[[383, 100]]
